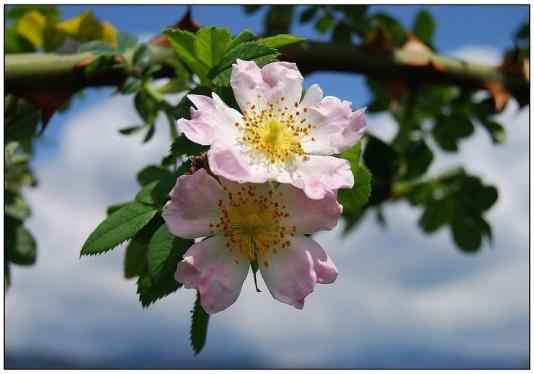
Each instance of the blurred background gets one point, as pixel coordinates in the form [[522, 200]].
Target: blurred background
[[403, 299]]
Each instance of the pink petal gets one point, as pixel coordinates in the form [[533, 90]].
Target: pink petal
[[193, 205], [309, 215], [209, 267], [293, 272], [313, 96], [338, 127], [212, 121], [321, 174], [230, 163], [255, 86]]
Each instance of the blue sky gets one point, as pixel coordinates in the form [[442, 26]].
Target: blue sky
[[403, 299]]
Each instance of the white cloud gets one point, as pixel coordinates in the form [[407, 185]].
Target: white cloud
[[397, 286]]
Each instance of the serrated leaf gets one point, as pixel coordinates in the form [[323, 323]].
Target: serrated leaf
[[183, 43], [151, 173], [250, 51], [354, 199], [352, 155], [118, 227], [210, 44], [156, 192], [280, 40], [199, 326], [165, 250], [424, 26], [150, 291], [245, 36], [134, 259]]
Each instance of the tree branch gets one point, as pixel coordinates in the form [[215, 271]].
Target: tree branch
[[24, 72]]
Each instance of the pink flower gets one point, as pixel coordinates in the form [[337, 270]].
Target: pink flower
[[247, 222], [277, 136]]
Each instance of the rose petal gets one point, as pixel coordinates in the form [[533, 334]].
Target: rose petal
[[193, 205], [230, 163], [320, 174], [212, 121], [313, 96], [255, 86], [309, 215], [209, 267], [293, 272], [337, 127]]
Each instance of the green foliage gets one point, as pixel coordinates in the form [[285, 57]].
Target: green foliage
[[250, 51], [355, 199], [424, 26], [118, 227], [210, 44], [458, 200], [280, 40], [135, 259], [163, 251], [199, 326]]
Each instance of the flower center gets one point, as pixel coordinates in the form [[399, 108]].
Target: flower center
[[275, 132], [252, 223]]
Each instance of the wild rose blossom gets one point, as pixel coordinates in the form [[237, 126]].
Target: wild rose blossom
[[244, 223], [277, 136]]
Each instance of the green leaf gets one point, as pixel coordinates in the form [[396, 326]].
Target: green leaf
[[23, 123], [97, 47], [183, 43], [152, 173], [308, 14], [436, 214], [131, 85], [280, 40], [354, 199], [210, 44], [467, 231], [199, 326], [420, 193], [165, 250], [150, 291], [448, 130], [131, 130], [352, 155], [146, 106], [342, 33], [156, 192], [125, 41], [113, 208], [250, 51], [278, 19], [424, 26], [15, 206], [418, 158], [135, 259], [325, 23], [23, 252], [118, 227], [244, 36], [496, 131]]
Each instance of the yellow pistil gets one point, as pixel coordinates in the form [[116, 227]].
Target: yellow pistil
[[250, 222], [275, 132]]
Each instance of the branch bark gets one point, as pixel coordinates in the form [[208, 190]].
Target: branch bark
[[25, 72]]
